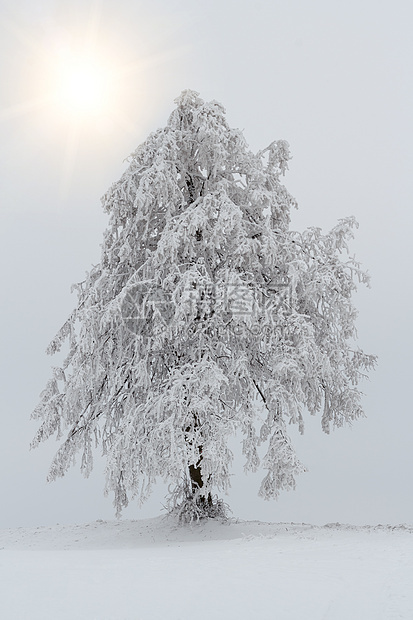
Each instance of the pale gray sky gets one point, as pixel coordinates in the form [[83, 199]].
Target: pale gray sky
[[332, 78]]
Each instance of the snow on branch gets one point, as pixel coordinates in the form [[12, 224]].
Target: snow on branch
[[206, 315]]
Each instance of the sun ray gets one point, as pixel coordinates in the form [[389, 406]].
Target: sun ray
[[93, 25], [69, 161], [151, 61], [25, 107], [29, 42]]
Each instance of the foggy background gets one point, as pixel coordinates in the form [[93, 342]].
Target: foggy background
[[332, 78]]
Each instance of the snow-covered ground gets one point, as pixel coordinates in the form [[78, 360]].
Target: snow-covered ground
[[154, 570]]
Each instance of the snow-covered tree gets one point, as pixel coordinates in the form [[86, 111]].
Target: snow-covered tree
[[207, 315]]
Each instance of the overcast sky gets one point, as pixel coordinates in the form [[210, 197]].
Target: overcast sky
[[335, 80]]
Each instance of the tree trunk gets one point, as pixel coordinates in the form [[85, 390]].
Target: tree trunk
[[197, 483], [196, 477]]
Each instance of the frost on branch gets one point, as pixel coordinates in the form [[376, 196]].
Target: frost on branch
[[206, 315]]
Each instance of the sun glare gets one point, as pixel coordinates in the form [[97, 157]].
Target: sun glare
[[82, 86]]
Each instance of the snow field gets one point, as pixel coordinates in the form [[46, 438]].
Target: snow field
[[151, 570]]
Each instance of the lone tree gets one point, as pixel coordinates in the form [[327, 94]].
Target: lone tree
[[207, 315]]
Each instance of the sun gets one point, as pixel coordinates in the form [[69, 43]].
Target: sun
[[79, 83], [82, 85]]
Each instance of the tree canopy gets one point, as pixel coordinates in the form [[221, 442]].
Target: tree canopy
[[206, 316]]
